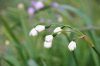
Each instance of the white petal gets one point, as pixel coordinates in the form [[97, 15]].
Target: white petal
[[57, 30], [40, 28], [72, 45], [47, 44], [33, 32], [49, 38]]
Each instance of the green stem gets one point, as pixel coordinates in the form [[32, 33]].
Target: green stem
[[12, 37], [86, 38], [96, 51], [73, 53]]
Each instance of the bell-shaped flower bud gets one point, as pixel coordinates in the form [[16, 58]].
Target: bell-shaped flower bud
[[72, 45], [47, 44], [49, 38], [58, 30], [40, 28], [33, 32]]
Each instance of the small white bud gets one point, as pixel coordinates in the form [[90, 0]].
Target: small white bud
[[72, 45], [33, 32], [49, 38], [57, 30], [47, 44], [40, 28]]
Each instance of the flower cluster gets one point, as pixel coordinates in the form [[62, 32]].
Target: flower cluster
[[48, 41], [38, 28], [49, 38]]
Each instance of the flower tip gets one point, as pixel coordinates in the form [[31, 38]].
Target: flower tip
[[40, 28], [47, 44], [58, 30], [72, 45], [49, 38], [33, 32]]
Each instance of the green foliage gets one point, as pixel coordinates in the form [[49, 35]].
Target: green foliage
[[26, 50]]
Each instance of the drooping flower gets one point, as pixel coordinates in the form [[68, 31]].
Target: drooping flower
[[54, 4], [72, 45], [49, 38], [40, 28], [57, 30], [47, 44], [38, 5], [33, 32], [31, 11]]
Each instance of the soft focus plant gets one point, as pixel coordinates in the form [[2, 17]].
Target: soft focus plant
[[42, 33]]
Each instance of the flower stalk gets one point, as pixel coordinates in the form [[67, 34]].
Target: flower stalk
[[83, 36]]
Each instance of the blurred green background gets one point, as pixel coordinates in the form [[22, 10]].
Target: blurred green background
[[17, 48]]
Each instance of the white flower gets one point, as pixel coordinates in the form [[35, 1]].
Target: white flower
[[49, 38], [33, 32], [47, 44], [40, 28], [57, 30], [72, 45]]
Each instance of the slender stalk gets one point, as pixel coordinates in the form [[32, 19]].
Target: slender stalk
[[96, 51], [83, 36], [73, 53]]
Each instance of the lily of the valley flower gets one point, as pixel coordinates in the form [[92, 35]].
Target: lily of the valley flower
[[33, 32], [47, 44], [48, 41], [38, 28], [72, 45], [57, 30], [49, 38]]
